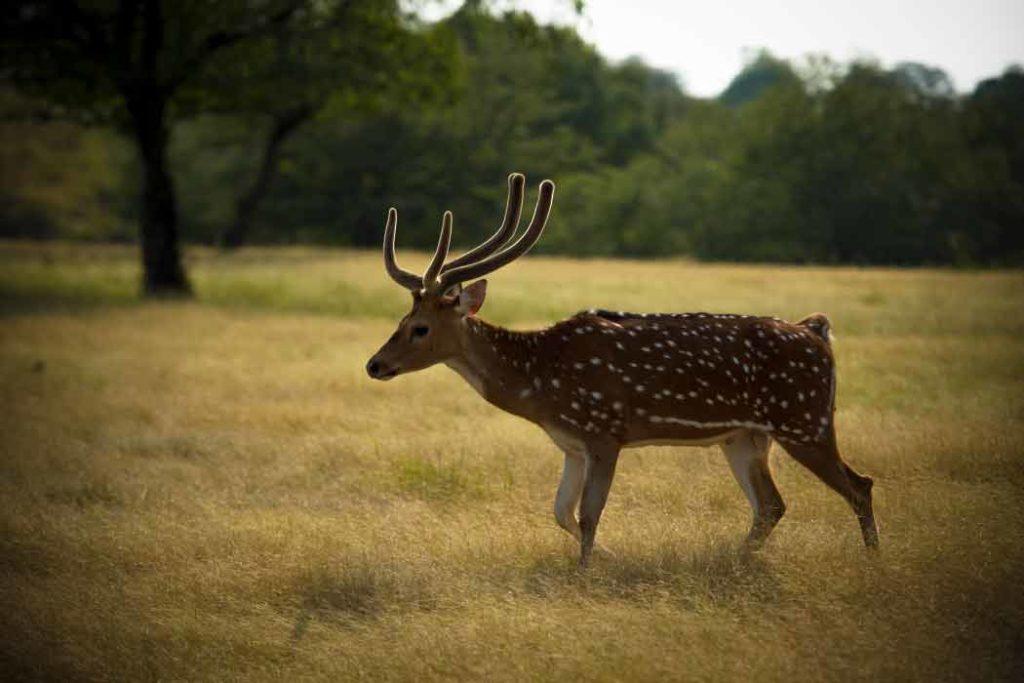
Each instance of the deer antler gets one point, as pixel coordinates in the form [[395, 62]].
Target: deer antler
[[398, 274], [441, 253], [481, 259], [513, 211], [511, 253]]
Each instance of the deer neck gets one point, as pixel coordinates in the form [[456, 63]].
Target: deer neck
[[500, 364]]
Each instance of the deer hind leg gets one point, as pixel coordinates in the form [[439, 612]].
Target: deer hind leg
[[569, 490], [747, 453], [601, 463], [824, 461]]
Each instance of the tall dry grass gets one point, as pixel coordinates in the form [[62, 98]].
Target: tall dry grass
[[213, 490]]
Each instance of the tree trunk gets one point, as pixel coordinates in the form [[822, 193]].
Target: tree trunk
[[284, 124], [163, 274]]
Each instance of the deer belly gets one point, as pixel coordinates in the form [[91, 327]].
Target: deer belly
[[680, 436]]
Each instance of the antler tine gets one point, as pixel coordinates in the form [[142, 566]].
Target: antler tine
[[513, 212], [403, 277], [440, 254], [511, 253]]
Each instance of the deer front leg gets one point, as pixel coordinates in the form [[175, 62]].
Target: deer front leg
[[569, 489], [601, 461]]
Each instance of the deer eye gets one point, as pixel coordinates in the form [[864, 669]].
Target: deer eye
[[420, 331]]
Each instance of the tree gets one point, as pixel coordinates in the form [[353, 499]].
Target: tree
[[367, 57], [762, 71], [928, 81], [995, 131], [873, 168], [142, 64]]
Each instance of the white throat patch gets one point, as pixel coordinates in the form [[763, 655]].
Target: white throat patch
[[468, 373]]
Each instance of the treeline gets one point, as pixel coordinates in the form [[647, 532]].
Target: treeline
[[850, 164], [813, 162]]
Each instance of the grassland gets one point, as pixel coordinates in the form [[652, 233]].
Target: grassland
[[214, 491]]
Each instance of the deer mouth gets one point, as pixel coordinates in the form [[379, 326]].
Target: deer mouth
[[390, 374]]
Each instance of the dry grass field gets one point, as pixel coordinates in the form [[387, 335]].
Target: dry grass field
[[215, 491]]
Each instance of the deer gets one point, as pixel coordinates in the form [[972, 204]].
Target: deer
[[603, 381]]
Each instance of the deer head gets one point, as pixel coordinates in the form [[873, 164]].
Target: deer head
[[432, 330]]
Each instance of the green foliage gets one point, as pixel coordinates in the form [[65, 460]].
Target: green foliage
[[62, 180], [867, 171], [529, 97], [140, 66], [762, 71], [811, 162], [995, 132], [858, 166]]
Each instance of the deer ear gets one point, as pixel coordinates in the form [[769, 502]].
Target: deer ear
[[471, 298]]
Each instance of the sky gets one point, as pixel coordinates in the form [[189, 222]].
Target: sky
[[704, 43]]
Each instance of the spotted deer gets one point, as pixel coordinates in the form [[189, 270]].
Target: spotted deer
[[602, 381]]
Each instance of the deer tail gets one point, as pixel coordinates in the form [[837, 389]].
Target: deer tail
[[819, 324]]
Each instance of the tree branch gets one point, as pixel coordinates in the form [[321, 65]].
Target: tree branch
[[221, 39], [122, 70], [88, 23]]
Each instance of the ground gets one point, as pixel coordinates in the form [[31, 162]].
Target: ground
[[214, 490]]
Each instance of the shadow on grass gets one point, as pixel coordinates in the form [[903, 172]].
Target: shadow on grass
[[715, 574], [15, 301], [361, 590], [87, 494], [51, 294]]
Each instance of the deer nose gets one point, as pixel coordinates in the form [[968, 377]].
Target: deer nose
[[373, 368]]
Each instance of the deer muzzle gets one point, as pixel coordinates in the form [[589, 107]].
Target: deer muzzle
[[378, 369]]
